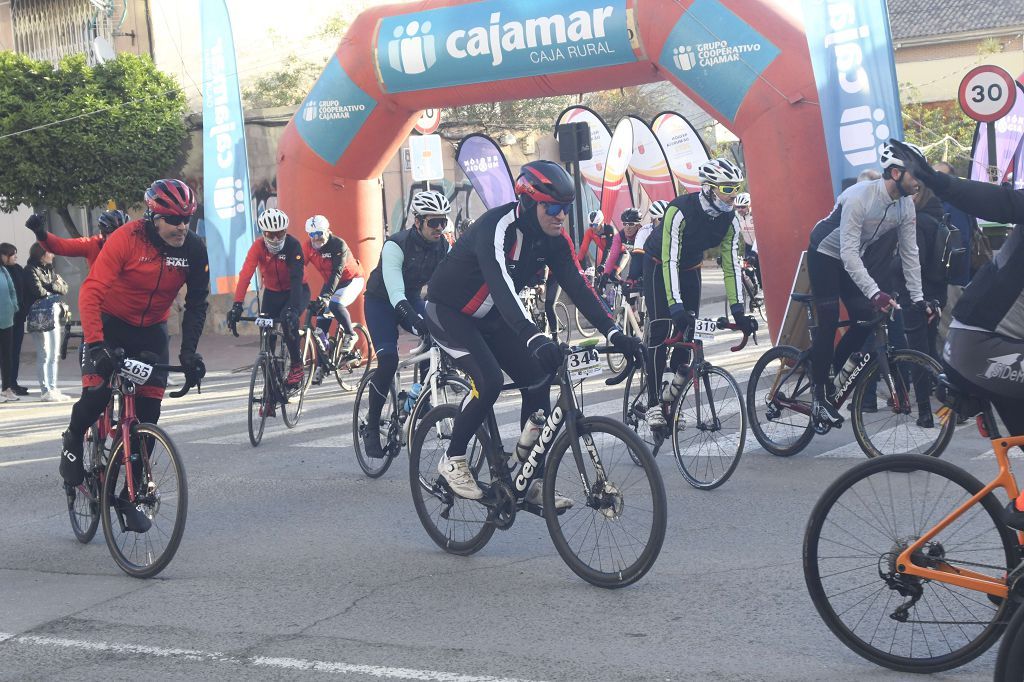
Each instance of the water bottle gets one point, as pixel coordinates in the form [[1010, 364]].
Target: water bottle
[[410, 398], [847, 370], [673, 386], [531, 432], [321, 339]]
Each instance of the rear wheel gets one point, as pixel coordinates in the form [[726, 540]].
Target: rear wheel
[[583, 325], [84, 509], [779, 398], [452, 389], [709, 428], [260, 403], [634, 406], [562, 319], [389, 426]]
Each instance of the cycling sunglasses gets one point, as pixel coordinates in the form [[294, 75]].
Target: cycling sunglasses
[[554, 209], [275, 236], [727, 190], [437, 223], [173, 219], [316, 235]]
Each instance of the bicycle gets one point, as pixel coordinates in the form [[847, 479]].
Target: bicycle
[[706, 420], [1010, 660], [606, 293], [118, 443], [318, 362], [908, 559], [533, 300], [599, 465], [629, 320], [267, 387], [397, 423], [882, 386], [755, 298]]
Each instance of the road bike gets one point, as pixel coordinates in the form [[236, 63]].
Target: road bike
[[403, 409], [908, 558], [886, 388], [120, 452], [348, 367], [753, 293], [706, 420], [629, 314], [607, 293], [533, 301], [267, 387], [592, 458]]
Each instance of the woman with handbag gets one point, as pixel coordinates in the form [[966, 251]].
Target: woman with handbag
[[45, 287], [8, 311]]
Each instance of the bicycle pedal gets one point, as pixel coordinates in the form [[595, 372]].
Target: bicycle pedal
[[535, 509]]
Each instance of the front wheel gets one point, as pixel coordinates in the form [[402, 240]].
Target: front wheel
[[292, 409], [562, 320], [583, 325], [634, 406], [451, 388], [158, 477], [613, 533], [709, 428], [388, 424], [260, 401], [350, 367], [779, 398]]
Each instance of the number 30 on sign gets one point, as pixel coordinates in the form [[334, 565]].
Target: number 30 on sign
[[987, 93]]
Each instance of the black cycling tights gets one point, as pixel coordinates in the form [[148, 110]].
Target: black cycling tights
[[482, 348], [657, 309], [274, 303], [380, 384], [830, 283]]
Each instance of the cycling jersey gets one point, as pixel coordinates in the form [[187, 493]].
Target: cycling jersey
[[862, 214], [621, 244], [136, 278], [406, 263], [81, 247], [282, 271], [497, 257], [335, 263], [745, 224], [602, 240]]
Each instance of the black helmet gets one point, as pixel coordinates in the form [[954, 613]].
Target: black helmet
[[111, 220], [544, 181], [630, 215]]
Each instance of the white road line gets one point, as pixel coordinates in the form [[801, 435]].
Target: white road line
[[279, 663], [27, 461]]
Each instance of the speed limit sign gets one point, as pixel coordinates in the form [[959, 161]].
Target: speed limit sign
[[987, 93]]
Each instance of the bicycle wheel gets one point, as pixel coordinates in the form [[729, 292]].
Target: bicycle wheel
[[452, 388], [616, 361], [890, 430], [1010, 661], [583, 325], [259, 403], [562, 318], [352, 366], [455, 524], [292, 409], [84, 509], [634, 406], [858, 528], [709, 428], [389, 416], [779, 397], [613, 533], [162, 495]]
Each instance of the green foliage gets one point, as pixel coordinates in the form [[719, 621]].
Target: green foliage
[[80, 135], [941, 129]]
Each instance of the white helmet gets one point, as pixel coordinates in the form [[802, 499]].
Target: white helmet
[[720, 172], [888, 159], [318, 223], [596, 218], [430, 202], [272, 220], [658, 208], [742, 199]]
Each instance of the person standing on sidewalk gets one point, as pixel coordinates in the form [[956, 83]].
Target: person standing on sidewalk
[[9, 260], [43, 281], [8, 310]]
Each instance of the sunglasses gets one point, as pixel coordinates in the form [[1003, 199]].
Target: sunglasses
[[437, 223], [316, 236], [275, 236], [554, 209], [727, 190], [173, 219]]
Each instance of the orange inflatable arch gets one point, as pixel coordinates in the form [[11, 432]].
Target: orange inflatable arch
[[743, 61]]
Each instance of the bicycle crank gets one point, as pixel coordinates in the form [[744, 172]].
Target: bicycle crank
[[501, 504]]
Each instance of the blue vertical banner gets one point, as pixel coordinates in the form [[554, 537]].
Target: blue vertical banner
[[855, 72], [227, 211]]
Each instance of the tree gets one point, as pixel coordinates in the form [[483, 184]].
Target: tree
[[80, 136], [941, 129]]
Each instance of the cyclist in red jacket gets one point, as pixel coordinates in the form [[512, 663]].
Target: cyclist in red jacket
[[342, 275], [81, 247]]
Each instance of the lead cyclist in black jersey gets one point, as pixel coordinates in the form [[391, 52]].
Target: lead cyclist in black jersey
[[474, 312]]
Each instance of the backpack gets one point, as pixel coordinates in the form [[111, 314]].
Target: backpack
[[45, 314], [946, 254]]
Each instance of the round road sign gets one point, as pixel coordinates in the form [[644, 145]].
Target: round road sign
[[987, 93], [428, 121]]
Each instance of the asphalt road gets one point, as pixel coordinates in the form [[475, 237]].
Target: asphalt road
[[296, 566]]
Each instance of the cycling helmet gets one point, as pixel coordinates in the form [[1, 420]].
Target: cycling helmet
[[658, 208], [742, 200], [430, 203], [888, 158], [111, 220], [272, 220], [630, 215], [595, 218], [720, 172], [318, 223], [170, 197], [544, 181]]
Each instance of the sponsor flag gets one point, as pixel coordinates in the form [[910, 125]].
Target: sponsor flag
[[227, 212], [616, 196], [648, 164], [1009, 138], [481, 160], [852, 56], [592, 170], [684, 149]]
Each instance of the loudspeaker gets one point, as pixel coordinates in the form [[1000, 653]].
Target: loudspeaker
[[574, 142]]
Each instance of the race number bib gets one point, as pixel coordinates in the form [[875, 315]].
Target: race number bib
[[137, 372], [583, 363], [264, 322], [705, 329]]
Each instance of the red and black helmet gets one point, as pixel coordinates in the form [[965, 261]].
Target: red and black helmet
[[111, 220], [545, 181], [171, 197]]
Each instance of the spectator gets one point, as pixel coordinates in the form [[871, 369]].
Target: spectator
[[44, 281], [9, 260], [8, 309], [966, 224]]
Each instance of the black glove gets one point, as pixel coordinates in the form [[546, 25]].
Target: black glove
[[99, 359], [195, 368], [234, 315], [682, 319], [548, 353], [290, 318], [624, 343], [35, 223], [915, 162], [410, 320], [599, 270], [744, 322], [930, 310], [315, 306]]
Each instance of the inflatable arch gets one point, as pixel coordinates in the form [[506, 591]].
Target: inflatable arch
[[744, 61]]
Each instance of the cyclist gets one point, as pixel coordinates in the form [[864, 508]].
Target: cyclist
[[745, 224], [656, 211], [599, 233], [342, 275], [475, 314], [407, 261], [87, 247], [124, 303], [863, 213], [672, 269], [278, 255], [621, 245]]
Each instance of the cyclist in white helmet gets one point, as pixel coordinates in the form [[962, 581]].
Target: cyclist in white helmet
[[745, 224], [599, 233], [342, 275]]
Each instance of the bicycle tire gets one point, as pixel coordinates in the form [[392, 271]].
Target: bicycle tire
[[769, 431], [427, 493], [349, 372], [374, 468], [291, 409], [562, 320], [454, 388], [905, 437], [619, 470], [583, 325], [1010, 660], [708, 471], [634, 406], [176, 466], [258, 406], [84, 513], [898, 474]]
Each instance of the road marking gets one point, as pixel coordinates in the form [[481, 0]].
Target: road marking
[[27, 461], [385, 672]]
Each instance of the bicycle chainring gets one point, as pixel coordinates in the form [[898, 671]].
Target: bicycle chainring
[[502, 507]]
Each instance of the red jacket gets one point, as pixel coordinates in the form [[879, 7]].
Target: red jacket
[[334, 262], [87, 247], [136, 281], [282, 271]]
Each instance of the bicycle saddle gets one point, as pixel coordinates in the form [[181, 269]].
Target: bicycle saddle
[[959, 397]]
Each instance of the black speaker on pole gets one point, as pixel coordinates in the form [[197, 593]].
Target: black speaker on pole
[[574, 142]]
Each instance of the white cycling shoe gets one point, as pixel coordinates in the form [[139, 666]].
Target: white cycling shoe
[[656, 417], [535, 495], [460, 479]]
